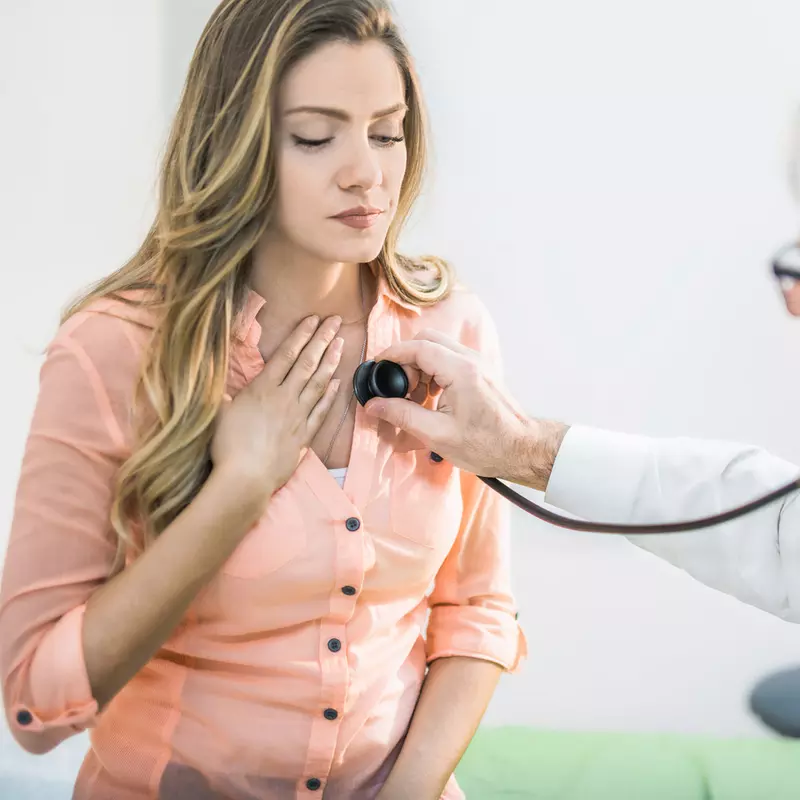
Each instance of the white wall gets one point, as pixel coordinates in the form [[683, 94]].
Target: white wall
[[610, 177], [618, 169], [80, 92]]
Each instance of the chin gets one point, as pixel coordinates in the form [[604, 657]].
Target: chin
[[354, 253]]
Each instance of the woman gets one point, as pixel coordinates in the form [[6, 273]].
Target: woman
[[184, 575]]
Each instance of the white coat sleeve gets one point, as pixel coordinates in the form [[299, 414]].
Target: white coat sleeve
[[604, 476]]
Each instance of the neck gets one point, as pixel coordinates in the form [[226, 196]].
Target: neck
[[296, 285]]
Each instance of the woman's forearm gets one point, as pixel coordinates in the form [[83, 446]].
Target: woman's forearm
[[128, 619], [452, 703]]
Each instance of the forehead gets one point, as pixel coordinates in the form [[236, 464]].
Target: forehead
[[358, 78]]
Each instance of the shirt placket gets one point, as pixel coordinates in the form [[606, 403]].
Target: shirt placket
[[348, 530]]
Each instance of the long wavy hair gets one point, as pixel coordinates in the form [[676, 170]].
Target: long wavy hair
[[217, 196]]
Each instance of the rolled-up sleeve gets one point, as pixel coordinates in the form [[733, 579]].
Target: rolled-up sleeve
[[473, 609], [61, 548]]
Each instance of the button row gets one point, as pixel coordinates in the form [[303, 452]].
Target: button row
[[335, 645]]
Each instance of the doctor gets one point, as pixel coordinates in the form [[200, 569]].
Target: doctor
[[615, 477]]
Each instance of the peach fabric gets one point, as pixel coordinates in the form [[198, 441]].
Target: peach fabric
[[297, 669]]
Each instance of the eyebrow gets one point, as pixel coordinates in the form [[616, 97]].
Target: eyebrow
[[336, 113]]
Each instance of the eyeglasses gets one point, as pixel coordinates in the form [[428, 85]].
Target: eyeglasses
[[786, 263]]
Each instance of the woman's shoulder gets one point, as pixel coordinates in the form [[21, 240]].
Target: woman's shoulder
[[111, 332], [463, 301], [462, 314]]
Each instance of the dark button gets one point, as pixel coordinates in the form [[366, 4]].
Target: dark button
[[436, 458], [313, 784], [516, 616], [24, 717], [331, 714], [334, 645], [349, 590], [353, 524]]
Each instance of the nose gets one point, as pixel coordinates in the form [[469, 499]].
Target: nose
[[362, 170], [791, 296]]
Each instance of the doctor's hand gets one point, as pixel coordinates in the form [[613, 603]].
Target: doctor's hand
[[476, 426]]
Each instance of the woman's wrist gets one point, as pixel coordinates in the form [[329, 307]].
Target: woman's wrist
[[242, 493]]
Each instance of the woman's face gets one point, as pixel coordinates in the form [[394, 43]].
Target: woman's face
[[340, 148]]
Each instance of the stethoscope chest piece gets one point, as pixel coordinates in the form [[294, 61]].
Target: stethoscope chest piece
[[379, 379]]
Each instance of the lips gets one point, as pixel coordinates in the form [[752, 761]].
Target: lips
[[360, 211], [360, 217]]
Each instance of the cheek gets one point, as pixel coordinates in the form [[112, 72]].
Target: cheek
[[394, 173], [298, 184]]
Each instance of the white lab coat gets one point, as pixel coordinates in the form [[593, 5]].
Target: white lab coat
[[612, 477]]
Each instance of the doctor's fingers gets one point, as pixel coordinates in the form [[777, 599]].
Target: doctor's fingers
[[435, 363]]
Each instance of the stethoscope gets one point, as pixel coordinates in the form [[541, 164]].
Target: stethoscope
[[775, 699], [388, 379]]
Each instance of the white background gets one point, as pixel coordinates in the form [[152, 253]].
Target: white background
[[611, 178]]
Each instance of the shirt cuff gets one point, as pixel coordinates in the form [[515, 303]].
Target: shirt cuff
[[476, 632], [58, 684], [596, 474]]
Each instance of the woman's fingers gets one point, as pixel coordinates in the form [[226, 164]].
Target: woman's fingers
[[322, 409], [317, 384], [308, 361], [290, 350]]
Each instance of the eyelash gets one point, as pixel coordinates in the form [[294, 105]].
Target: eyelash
[[316, 144]]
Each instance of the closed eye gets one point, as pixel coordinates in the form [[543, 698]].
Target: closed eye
[[315, 144], [311, 144]]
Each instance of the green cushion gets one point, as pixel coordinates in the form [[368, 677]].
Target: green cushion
[[545, 765]]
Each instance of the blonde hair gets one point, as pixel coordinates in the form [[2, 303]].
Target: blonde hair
[[217, 190]]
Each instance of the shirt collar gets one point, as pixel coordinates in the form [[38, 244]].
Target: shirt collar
[[247, 328]]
